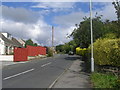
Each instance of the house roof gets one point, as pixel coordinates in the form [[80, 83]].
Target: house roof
[[21, 41], [5, 39], [13, 41], [16, 42]]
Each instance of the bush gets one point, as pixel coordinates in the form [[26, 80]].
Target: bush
[[80, 51], [50, 52], [107, 52]]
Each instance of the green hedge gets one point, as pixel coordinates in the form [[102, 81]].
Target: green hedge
[[107, 52]]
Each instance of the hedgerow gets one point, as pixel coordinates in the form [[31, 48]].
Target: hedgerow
[[107, 52]]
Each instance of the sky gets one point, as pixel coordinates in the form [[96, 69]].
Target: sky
[[34, 20]]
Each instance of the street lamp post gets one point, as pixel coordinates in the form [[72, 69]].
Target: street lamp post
[[91, 28]]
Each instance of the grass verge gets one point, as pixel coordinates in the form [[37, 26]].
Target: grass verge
[[100, 80]]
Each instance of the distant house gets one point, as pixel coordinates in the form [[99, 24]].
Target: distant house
[[21, 41], [7, 43]]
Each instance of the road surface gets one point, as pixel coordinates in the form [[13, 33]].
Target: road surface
[[36, 73]]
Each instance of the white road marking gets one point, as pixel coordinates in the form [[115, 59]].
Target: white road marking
[[18, 74], [46, 64]]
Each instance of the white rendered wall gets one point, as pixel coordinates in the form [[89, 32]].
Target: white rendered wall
[[6, 58], [2, 47]]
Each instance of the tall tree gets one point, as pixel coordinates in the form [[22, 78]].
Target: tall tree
[[81, 35], [117, 7]]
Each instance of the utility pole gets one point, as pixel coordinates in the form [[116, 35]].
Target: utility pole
[[53, 40], [91, 27], [52, 36]]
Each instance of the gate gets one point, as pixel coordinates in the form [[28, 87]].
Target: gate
[[20, 54]]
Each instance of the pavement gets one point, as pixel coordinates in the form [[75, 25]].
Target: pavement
[[35, 73], [74, 77]]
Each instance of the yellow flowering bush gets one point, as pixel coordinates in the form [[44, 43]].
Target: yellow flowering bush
[[107, 52], [80, 51]]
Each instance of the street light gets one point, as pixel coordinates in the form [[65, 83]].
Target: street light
[[91, 28]]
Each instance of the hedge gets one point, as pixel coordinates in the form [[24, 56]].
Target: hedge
[[80, 51], [107, 52]]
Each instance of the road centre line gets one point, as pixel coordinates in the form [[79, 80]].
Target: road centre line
[[46, 64], [18, 74]]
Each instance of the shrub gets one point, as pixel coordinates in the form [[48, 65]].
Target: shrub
[[107, 52], [50, 52], [80, 51]]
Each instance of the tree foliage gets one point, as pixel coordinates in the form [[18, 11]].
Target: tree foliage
[[101, 29], [67, 47], [81, 35], [30, 42], [117, 7]]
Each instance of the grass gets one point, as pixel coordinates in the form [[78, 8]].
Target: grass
[[100, 80]]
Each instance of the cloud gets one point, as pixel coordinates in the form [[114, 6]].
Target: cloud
[[25, 31], [40, 32], [57, 0], [73, 18], [108, 12], [61, 34], [23, 23], [19, 14], [55, 6]]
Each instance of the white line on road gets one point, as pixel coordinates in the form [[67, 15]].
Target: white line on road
[[18, 74], [46, 64]]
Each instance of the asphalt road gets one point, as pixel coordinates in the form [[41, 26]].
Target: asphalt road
[[36, 73]]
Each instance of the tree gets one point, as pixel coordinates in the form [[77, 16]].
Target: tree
[[112, 27], [59, 48], [70, 46], [35, 44], [117, 7], [81, 35], [30, 42]]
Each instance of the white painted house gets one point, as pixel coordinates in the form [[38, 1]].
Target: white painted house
[[7, 43], [2, 46]]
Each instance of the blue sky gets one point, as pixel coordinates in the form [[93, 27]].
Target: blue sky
[[36, 18], [84, 6]]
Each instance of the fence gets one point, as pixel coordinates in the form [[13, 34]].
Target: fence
[[21, 54], [34, 51]]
